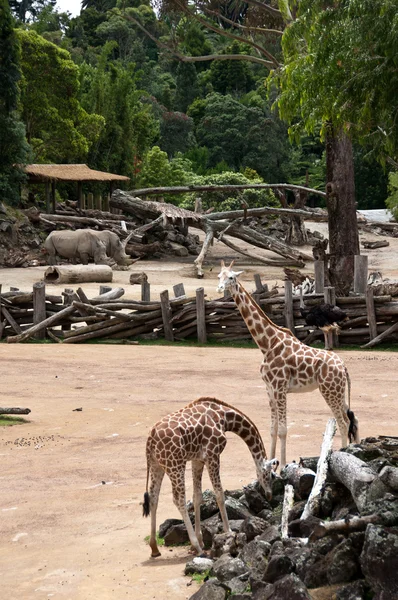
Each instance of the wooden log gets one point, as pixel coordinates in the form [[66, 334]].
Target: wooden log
[[50, 321], [179, 290], [14, 411], [198, 262], [288, 501], [11, 320], [103, 289], [319, 271], [39, 308], [370, 310], [382, 336], [373, 245], [201, 315], [166, 316], [300, 478], [313, 501], [363, 483], [269, 262], [331, 338], [289, 320], [360, 273], [78, 273], [344, 526], [145, 291], [113, 294]]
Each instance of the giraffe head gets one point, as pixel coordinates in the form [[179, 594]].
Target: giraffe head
[[266, 473], [227, 277]]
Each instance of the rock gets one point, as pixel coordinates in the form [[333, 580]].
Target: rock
[[253, 526], [227, 568], [290, 587], [270, 535], [343, 563], [310, 462], [254, 555], [210, 527], [163, 528], [261, 590], [198, 565], [357, 590], [238, 585], [178, 249], [326, 544], [278, 567], [236, 510], [379, 561], [303, 559], [210, 590], [297, 510], [255, 497], [277, 548], [227, 543], [176, 534], [365, 452], [208, 507], [265, 514], [303, 527]]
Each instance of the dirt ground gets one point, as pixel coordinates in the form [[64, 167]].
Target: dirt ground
[[72, 481]]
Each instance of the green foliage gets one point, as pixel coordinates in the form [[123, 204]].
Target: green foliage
[[176, 132], [228, 200], [231, 76], [200, 577], [58, 128], [29, 10], [371, 181], [187, 86], [14, 149], [392, 200]]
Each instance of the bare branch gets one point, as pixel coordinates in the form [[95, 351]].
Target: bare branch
[[266, 7], [184, 58], [182, 189], [239, 26]]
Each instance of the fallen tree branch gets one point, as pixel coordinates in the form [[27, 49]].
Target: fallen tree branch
[[342, 526], [321, 472], [381, 337], [288, 502], [46, 323], [183, 189], [14, 411]]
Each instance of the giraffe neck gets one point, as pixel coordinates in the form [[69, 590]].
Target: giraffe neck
[[238, 423], [260, 326]]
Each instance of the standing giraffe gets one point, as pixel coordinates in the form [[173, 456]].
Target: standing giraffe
[[197, 433], [291, 366]]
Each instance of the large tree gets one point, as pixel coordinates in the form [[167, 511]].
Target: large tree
[[261, 25], [14, 150]]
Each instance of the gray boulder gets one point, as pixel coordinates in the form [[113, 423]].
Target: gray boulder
[[227, 543], [227, 568], [290, 587], [357, 590], [379, 561], [236, 510], [253, 526], [271, 534], [255, 497], [279, 566], [254, 555], [210, 590], [165, 526], [198, 565], [343, 563], [176, 534]]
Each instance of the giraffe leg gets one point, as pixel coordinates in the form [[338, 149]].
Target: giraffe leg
[[157, 475], [336, 402], [197, 471], [280, 402], [177, 477], [213, 466], [274, 425]]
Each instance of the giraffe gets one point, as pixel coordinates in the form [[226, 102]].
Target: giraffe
[[197, 433], [290, 366]]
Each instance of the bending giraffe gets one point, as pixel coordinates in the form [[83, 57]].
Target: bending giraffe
[[291, 366], [197, 433]]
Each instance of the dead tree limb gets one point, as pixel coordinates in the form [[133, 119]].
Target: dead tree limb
[[381, 337], [300, 478], [46, 323], [264, 261], [198, 262], [183, 189], [321, 472], [288, 501], [14, 411], [342, 526]]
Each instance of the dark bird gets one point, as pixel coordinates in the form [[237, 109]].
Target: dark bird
[[323, 316]]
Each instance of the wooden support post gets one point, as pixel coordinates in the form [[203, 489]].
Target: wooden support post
[[319, 268], [257, 283], [360, 273], [79, 194], [179, 290], [47, 195], [67, 301], [166, 316], [289, 319], [105, 202], [53, 196], [331, 338], [90, 199], [201, 315], [97, 201], [39, 308], [145, 291], [370, 309]]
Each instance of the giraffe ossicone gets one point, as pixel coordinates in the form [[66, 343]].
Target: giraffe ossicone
[[289, 365], [196, 433]]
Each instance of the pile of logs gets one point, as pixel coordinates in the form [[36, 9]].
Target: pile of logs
[[71, 317]]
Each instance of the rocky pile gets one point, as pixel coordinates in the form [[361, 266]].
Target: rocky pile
[[342, 553]]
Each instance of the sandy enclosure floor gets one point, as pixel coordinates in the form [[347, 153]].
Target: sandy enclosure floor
[[66, 534]]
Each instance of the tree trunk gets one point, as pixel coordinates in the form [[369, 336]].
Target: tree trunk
[[340, 200]]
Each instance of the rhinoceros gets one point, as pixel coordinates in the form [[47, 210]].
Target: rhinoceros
[[104, 247]]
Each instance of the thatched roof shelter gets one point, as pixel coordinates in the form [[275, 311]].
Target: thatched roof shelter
[[51, 174], [43, 173]]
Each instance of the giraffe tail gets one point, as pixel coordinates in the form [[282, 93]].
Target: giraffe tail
[[146, 506], [353, 433]]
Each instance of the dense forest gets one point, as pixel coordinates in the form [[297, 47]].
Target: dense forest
[[108, 88]]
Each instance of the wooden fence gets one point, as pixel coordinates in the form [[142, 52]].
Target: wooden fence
[[72, 318]]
